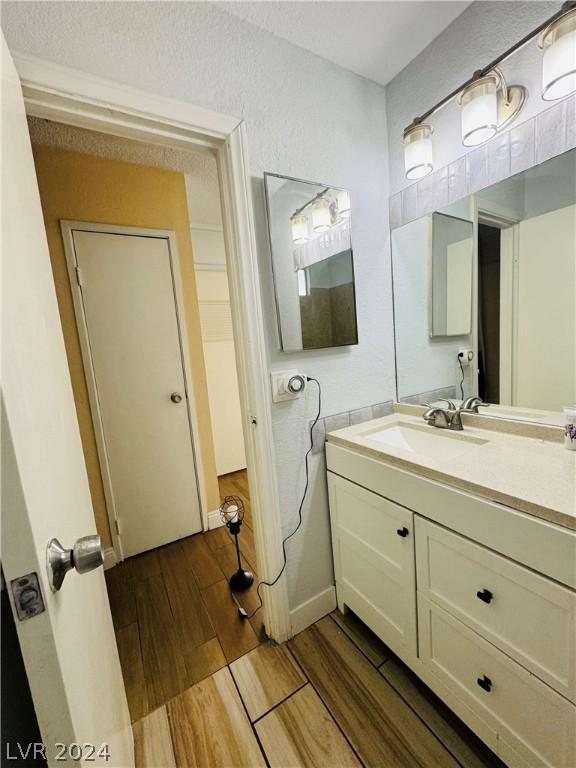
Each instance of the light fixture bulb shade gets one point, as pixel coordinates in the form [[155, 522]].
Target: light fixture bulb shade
[[558, 41], [479, 111], [321, 219], [418, 151], [343, 199], [299, 229]]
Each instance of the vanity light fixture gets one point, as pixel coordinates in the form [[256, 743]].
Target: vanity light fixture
[[299, 229], [488, 103], [343, 201], [418, 152], [558, 43], [321, 216]]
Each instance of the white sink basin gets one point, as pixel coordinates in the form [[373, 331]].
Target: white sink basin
[[439, 444]]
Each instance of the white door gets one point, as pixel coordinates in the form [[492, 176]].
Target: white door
[[69, 650], [127, 300]]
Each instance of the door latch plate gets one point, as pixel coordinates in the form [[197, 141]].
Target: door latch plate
[[27, 596]]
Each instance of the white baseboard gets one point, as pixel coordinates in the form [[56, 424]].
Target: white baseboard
[[214, 519], [313, 609], [109, 558]]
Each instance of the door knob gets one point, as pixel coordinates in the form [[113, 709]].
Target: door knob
[[175, 397], [85, 555]]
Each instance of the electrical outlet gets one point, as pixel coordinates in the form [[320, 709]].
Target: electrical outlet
[[466, 355], [287, 385]]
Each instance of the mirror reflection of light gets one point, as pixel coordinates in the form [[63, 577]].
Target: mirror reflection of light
[[302, 282], [321, 218]]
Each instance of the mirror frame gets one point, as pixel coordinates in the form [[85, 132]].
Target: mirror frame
[[430, 280]]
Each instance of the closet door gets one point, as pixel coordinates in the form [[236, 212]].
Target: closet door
[[134, 350]]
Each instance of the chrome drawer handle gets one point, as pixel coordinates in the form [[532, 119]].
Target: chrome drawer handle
[[485, 683], [403, 532], [485, 595]]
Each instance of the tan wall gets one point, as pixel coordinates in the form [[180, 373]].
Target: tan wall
[[88, 188]]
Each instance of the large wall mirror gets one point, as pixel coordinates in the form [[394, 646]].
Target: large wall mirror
[[504, 257], [312, 262]]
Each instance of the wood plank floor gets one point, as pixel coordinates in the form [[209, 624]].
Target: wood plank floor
[[174, 618], [318, 702], [207, 689]]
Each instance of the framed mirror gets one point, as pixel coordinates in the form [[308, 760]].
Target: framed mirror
[[514, 243], [450, 272], [312, 262]]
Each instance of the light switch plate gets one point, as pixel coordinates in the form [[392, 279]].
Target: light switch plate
[[282, 380]]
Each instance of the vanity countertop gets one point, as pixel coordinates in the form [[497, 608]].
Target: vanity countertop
[[528, 474]]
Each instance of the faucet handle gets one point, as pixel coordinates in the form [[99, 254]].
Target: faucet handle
[[471, 404]]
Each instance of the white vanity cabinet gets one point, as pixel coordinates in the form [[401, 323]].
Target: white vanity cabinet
[[478, 599], [373, 546]]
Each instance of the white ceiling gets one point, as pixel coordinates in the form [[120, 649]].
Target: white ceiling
[[374, 38]]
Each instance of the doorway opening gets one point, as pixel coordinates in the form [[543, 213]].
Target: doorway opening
[[489, 313], [137, 248]]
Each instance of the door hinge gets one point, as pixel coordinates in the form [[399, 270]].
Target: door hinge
[[117, 526], [78, 276]]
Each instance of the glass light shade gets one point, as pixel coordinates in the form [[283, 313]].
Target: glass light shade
[[344, 203], [321, 219], [479, 111], [299, 229], [418, 153], [558, 42]]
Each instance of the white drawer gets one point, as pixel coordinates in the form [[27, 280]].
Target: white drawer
[[537, 722], [528, 616], [373, 545]]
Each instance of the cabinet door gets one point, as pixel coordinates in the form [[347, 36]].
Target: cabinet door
[[373, 542]]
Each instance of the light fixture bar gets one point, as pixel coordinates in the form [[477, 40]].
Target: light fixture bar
[[310, 202], [566, 7]]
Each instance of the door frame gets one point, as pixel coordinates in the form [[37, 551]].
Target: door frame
[[67, 228], [508, 226], [79, 99]]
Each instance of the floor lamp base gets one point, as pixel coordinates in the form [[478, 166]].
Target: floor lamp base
[[241, 580]]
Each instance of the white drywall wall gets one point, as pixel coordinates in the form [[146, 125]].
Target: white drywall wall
[[305, 118], [424, 363], [476, 37]]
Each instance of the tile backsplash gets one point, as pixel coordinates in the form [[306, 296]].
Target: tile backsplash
[[548, 134], [347, 419]]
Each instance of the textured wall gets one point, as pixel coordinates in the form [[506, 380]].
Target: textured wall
[[475, 38], [306, 118], [82, 187]]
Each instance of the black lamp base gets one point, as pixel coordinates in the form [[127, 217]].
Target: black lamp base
[[241, 580]]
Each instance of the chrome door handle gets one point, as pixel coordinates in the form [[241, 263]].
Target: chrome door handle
[[85, 555], [175, 397]]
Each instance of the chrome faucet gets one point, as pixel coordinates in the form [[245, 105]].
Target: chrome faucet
[[447, 418], [473, 403]]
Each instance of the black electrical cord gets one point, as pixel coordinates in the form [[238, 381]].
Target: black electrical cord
[[460, 356], [243, 614]]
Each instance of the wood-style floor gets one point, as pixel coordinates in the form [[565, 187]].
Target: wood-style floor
[[333, 697], [207, 689], [173, 614]]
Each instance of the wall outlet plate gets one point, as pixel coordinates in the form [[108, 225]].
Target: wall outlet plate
[[467, 355], [287, 385]]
